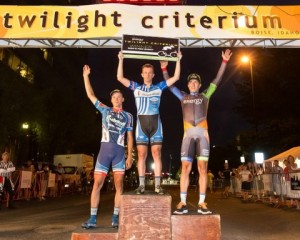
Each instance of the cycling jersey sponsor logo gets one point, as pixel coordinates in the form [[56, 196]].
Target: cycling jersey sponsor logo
[[195, 101], [117, 123], [141, 93], [154, 101]]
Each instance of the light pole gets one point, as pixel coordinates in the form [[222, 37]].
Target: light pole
[[247, 59]]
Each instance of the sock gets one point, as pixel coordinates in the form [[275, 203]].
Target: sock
[[94, 214], [183, 197], [142, 180], [157, 181], [201, 198], [116, 211]]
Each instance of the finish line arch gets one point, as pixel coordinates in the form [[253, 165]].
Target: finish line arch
[[103, 25], [116, 43]]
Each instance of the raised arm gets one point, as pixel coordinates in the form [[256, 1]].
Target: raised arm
[[120, 74], [226, 57], [173, 89], [163, 66], [87, 84], [176, 76]]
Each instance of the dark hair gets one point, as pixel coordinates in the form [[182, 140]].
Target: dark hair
[[194, 76]]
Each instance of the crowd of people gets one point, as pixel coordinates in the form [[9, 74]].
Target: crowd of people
[[37, 187], [251, 180]]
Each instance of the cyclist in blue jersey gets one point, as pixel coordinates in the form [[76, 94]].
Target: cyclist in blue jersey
[[115, 124], [149, 127], [195, 140]]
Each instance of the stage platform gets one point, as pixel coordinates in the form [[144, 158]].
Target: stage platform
[[149, 216]]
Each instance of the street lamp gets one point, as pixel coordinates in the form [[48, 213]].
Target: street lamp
[[259, 157], [25, 125], [245, 60]]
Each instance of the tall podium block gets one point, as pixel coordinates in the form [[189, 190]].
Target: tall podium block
[[144, 217], [194, 227]]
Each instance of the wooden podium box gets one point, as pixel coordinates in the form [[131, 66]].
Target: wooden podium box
[[193, 227], [145, 216]]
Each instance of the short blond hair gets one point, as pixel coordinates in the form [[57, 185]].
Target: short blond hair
[[148, 65]]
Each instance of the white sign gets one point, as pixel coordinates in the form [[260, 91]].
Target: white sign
[[26, 179], [51, 180]]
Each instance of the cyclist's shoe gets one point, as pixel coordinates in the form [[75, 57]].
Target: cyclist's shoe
[[115, 221], [181, 209], [159, 190], [89, 224], [203, 209], [140, 190]]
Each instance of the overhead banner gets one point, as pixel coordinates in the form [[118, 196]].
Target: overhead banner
[[155, 48], [115, 20]]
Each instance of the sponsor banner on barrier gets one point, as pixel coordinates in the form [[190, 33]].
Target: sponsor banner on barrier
[[51, 180], [155, 48], [26, 179], [295, 181], [115, 20]]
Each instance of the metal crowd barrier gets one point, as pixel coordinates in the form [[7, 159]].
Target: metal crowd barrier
[[282, 186], [28, 185]]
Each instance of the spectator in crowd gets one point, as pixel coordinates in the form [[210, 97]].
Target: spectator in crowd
[[39, 177], [293, 164], [60, 178], [287, 169], [149, 127], [246, 178], [210, 181], [225, 174], [6, 184], [276, 172], [45, 180], [287, 178], [259, 171], [83, 180], [91, 181], [29, 192]]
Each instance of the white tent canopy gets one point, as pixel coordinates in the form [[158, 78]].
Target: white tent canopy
[[295, 152]]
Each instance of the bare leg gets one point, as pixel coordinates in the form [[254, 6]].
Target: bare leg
[[98, 184], [186, 168], [202, 169], [142, 155], [118, 179], [156, 154]]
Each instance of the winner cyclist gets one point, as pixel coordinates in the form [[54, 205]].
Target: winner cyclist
[[149, 127]]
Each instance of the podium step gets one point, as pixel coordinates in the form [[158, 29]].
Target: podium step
[[195, 227], [144, 217], [94, 236]]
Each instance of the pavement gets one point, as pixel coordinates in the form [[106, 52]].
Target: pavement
[[58, 218]]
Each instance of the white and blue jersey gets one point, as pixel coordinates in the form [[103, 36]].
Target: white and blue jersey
[[115, 123], [147, 99]]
